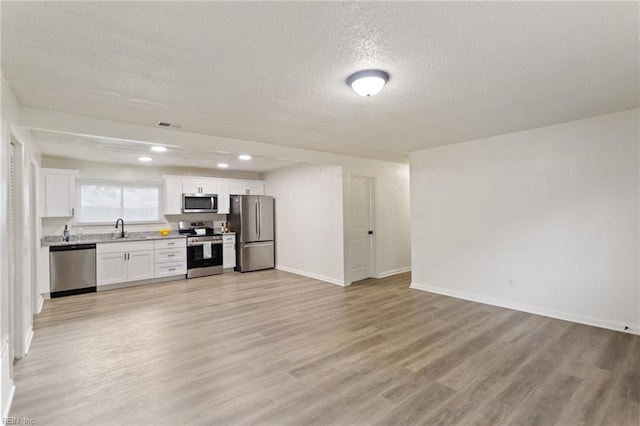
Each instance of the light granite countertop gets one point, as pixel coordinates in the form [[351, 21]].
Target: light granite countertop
[[108, 238]]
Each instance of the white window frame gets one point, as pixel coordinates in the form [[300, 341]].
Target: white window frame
[[122, 184]]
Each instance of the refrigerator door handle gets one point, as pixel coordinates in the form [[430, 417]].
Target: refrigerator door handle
[[259, 217], [257, 225], [260, 244]]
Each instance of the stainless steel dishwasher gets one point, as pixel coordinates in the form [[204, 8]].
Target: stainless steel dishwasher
[[72, 269]]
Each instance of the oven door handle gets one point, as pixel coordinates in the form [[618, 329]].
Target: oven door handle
[[203, 243]]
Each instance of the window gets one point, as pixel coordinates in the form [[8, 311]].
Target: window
[[105, 202]]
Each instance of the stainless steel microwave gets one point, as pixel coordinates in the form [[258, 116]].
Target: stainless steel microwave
[[199, 203]]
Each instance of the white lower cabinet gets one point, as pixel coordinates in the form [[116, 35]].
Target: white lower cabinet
[[170, 269], [124, 262], [111, 268], [140, 265], [228, 251], [170, 257]]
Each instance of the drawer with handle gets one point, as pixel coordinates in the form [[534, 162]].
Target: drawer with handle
[[168, 244], [170, 255], [169, 269]]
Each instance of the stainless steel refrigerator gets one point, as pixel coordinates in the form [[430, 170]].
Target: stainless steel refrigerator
[[252, 219]]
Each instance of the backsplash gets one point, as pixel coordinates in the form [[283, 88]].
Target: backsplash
[[55, 226]]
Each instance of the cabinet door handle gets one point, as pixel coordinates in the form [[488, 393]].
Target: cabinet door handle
[[171, 255], [172, 269], [171, 244], [125, 256]]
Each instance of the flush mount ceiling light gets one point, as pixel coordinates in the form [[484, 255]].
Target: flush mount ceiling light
[[368, 82], [244, 157], [223, 165], [145, 159], [159, 148]]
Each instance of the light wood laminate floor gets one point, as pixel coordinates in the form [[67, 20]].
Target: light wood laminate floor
[[280, 349]]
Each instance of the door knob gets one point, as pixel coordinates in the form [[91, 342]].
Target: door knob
[[370, 232]]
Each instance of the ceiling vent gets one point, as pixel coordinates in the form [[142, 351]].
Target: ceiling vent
[[167, 124]]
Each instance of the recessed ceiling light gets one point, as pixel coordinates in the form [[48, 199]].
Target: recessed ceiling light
[[223, 165], [244, 157], [159, 148], [368, 82], [145, 159]]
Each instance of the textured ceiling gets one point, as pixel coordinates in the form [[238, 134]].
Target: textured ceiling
[[275, 72]]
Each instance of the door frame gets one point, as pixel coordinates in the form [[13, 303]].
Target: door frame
[[347, 227], [18, 204], [35, 240]]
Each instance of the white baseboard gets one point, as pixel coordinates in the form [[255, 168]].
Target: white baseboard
[[140, 282], [7, 389], [7, 408], [581, 319], [393, 272], [27, 340], [310, 275]]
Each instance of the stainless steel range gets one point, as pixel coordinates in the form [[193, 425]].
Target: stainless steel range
[[204, 249]]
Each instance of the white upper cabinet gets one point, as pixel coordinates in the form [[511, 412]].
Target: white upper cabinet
[[172, 188], [257, 188], [246, 187], [58, 188], [223, 197], [209, 186], [175, 186], [199, 186]]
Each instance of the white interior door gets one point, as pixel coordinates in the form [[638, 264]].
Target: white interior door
[[360, 228]]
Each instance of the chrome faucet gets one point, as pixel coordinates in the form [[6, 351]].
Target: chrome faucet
[[122, 232]]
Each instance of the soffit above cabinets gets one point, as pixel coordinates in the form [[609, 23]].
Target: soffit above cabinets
[[118, 151]]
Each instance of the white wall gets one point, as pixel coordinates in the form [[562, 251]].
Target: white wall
[[302, 193], [545, 220], [26, 153], [309, 221]]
